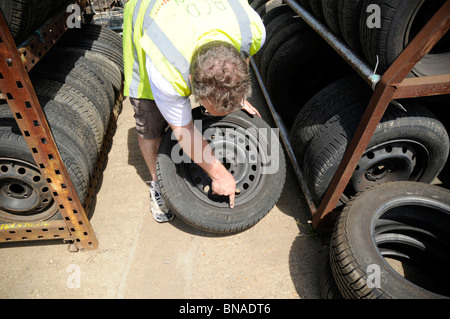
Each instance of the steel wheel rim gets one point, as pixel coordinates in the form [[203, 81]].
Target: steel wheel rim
[[240, 152], [24, 193], [391, 161]]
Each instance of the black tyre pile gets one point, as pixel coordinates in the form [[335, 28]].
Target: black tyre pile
[[25, 16], [77, 84], [294, 62], [383, 28], [389, 213], [391, 242]]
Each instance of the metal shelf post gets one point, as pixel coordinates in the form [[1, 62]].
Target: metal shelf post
[[392, 85], [16, 86]]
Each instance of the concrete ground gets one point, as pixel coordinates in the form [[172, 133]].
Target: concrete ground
[[279, 258]]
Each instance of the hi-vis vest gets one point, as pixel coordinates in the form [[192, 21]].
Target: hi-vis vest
[[169, 31]]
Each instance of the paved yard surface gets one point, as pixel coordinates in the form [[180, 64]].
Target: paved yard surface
[[280, 257]]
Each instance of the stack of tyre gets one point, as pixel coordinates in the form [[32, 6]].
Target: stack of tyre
[[25, 16], [294, 62], [77, 84], [391, 215]]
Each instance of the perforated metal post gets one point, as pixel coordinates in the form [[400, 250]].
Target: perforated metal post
[[16, 87]]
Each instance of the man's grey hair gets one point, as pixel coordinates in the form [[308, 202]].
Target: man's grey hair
[[220, 75]]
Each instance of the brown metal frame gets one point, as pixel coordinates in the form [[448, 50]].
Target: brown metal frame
[[16, 87], [392, 85]]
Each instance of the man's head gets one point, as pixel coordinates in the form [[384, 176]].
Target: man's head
[[219, 77]]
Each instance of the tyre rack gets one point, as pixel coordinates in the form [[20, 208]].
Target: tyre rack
[[15, 85], [392, 85]]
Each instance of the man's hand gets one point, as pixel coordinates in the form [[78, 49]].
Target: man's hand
[[223, 183], [250, 109]]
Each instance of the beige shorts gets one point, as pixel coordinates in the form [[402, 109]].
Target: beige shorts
[[149, 121]]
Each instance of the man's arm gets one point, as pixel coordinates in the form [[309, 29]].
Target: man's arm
[[192, 142]]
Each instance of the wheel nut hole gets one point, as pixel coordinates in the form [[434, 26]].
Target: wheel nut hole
[[21, 171], [225, 163], [370, 155], [4, 168]]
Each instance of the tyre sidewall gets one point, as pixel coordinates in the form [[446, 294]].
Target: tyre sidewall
[[360, 219], [208, 217]]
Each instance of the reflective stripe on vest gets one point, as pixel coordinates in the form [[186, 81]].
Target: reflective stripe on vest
[[136, 78], [244, 25]]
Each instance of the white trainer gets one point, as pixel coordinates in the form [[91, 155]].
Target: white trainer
[[158, 206]]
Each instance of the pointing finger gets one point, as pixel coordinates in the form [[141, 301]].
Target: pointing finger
[[232, 196]]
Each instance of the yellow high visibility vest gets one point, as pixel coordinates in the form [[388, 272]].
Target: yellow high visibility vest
[[169, 31]]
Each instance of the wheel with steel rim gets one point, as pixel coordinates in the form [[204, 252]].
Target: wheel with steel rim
[[24, 192], [396, 160], [406, 146], [241, 159], [248, 149]]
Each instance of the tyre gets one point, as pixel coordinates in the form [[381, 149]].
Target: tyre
[[437, 105], [275, 12], [258, 3], [97, 39], [318, 110], [349, 13], [278, 31], [316, 9], [263, 8], [328, 286], [300, 67], [24, 193], [250, 151], [400, 23], [88, 116], [410, 145], [94, 32], [267, 7], [305, 4], [93, 72], [330, 15], [81, 74], [21, 16], [62, 118], [406, 259], [105, 66]]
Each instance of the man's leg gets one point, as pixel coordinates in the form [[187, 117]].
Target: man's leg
[[149, 149], [150, 126]]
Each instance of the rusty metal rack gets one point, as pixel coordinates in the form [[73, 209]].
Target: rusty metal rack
[[392, 85], [16, 87]]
